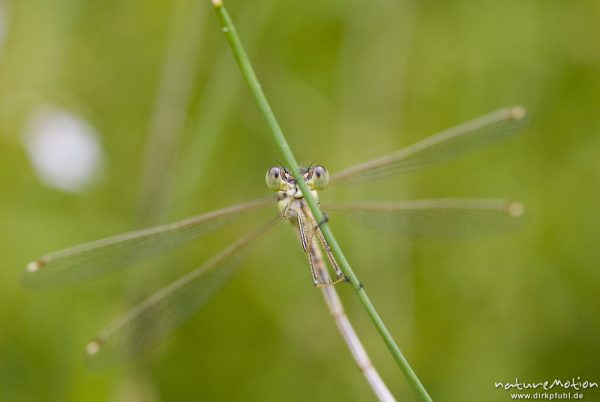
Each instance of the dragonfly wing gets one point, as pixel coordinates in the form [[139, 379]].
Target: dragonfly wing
[[157, 316], [114, 253], [435, 217], [442, 146]]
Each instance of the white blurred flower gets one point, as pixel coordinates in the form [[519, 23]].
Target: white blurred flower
[[64, 149]]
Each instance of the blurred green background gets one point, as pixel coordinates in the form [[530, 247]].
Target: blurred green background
[[349, 80]]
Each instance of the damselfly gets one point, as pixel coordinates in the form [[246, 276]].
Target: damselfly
[[155, 317]]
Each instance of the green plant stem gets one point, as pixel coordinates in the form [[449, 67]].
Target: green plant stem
[[250, 77]]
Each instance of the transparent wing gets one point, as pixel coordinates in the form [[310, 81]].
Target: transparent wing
[[434, 217], [114, 253], [158, 315], [442, 146]]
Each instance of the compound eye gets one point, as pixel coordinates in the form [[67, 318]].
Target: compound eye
[[320, 177], [273, 178]]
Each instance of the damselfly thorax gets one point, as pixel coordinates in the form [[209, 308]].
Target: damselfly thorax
[[293, 208]]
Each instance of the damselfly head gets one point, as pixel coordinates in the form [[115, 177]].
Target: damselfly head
[[279, 178]]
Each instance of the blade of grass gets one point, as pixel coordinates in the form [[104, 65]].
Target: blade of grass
[[250, 77], [167, 121], [336, 309], [218, 99]]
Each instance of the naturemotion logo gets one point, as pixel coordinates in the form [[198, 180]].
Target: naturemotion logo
[[564, 389]]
